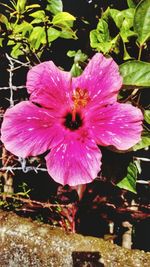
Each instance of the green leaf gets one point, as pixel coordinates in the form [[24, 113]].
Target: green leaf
[[16, 51], [129, 181], [4, 20], [71, 53], [124, 22], [102, 28], [122, 19], [102, 38], [36, 21], [78, 56], [53, 34], [54, 6], [21, 6], [24, 28], [126, 28], [1, 42], [76, 70], [117, 17], [99, 38], [62, 17], [103, 46], [37, 37], [142, 21], [145, 141], [40, 14], [131, 3], [136, 73], [147, 116], [11, 42], [68, 33]]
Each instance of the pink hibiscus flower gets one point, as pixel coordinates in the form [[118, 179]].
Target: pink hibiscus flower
[[70, 117]]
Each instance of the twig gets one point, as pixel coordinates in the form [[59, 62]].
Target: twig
[[35, 202]]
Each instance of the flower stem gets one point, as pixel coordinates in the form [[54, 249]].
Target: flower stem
[[140, 52]]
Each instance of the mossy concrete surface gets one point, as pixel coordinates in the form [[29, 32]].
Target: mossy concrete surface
[[27, 243]]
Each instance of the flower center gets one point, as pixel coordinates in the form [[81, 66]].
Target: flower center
[[80, 99], [71, 123]]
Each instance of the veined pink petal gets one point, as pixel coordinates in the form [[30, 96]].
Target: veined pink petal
[[119, 125], [49, 86], [74, 162], [28, 130], [102, 80]]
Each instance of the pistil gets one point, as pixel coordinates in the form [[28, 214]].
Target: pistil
[[80, 99]]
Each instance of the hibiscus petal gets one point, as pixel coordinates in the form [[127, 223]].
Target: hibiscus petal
[[102, 80], [119, 125], [49, 86], [28, 130], [74, 162]]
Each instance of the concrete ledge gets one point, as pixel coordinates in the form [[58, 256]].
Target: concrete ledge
[[27, 243]]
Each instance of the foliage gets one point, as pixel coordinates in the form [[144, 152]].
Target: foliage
[[136, 73], [129, 181], [132, 24], [79, 59], [30, 30]]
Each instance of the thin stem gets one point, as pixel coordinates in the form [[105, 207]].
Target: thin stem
[[46, 33], [140, 52]]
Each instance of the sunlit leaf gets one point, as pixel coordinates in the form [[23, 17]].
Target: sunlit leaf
[[136, 73], [124, 22], [145, 141], [16, 51], [71, 53], [1, 42], [21, 6], [78, 55], [131, 3], [76, 70], [147, 116], [54, 6], [100, 38], [40, 14], [129, 181], [11, 42], [36, 21], [68, 33], [62, 17], [117, 17], [4, 20], [53, 34], [142, 21], [37, 37], [23, 28]]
